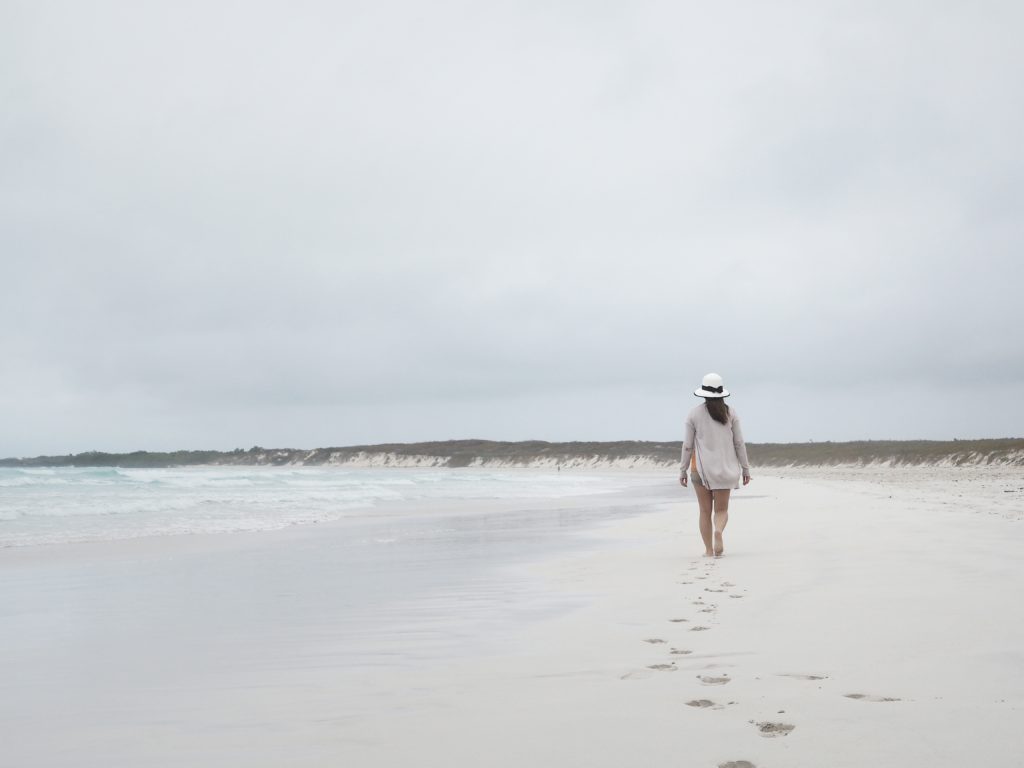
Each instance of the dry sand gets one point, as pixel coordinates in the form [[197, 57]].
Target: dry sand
[[865, 617]]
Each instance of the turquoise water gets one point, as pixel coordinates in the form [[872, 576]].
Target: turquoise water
[[63, 505]]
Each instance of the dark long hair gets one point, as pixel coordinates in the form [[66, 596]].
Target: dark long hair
[[718, 409]]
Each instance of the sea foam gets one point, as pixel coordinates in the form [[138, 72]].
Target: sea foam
[[62, 505]]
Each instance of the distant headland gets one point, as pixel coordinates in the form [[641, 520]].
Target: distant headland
[[539, 454]]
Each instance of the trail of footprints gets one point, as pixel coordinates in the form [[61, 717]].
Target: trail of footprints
[[770, 729]]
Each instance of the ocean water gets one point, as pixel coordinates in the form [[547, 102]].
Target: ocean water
[[65, 505]]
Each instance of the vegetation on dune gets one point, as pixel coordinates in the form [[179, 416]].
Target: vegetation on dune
[[906, 452], [462, 453]]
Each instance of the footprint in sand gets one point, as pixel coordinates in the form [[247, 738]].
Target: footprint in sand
[[711, 609], [865, 697], [701, 703], [737, 764], [728, 584], [653, 640], [663, 667], [798, 676], [708, 680], [709, 589], [735, 595], [698, 629], [676, 621], [639, 674], [679, 652], [771, 730]]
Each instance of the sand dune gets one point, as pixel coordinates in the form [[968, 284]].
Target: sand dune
[[540, 454]]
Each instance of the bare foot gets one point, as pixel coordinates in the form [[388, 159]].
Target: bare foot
[[719, 546], [709, 553]]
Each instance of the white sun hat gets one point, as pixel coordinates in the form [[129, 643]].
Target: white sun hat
[[711, 386]]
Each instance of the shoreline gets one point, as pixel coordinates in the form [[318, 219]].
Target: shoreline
[[858, 617], [199, 642], [627, 480]]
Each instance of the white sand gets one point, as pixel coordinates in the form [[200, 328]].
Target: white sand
[[881, 583], [829, 589]]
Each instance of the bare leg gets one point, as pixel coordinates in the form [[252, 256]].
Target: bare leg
[[721, 505], [704, 501]]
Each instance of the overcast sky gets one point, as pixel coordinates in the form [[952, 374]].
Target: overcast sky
[[327, 223]]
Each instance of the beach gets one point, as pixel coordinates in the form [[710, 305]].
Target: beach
[[860, 616]]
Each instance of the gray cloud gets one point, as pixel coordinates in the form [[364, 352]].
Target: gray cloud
[[336, 223]]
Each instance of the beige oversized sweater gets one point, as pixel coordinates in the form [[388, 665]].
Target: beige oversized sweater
[[720, 451]]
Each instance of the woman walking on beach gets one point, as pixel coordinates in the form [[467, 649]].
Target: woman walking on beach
[[714, 451]]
